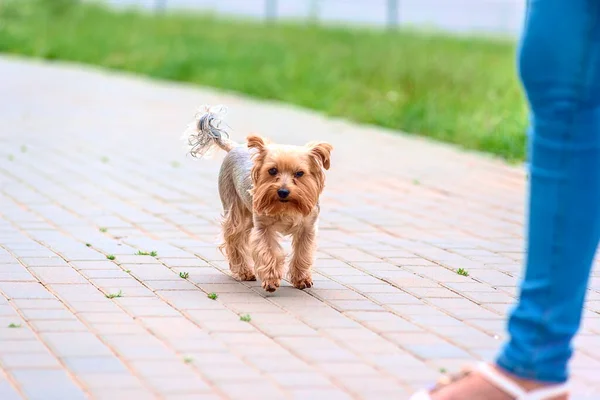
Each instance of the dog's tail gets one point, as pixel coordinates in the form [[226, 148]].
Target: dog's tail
[[206, 132]]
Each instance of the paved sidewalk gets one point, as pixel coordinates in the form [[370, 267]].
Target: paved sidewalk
[[91, 166]]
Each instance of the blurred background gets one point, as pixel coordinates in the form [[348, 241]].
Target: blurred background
[[460, 16], [438, 68]]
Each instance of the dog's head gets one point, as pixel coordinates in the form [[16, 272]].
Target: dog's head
[[288, 179]]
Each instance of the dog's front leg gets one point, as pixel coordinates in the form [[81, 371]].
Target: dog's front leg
[[268, 257], [304, 247]]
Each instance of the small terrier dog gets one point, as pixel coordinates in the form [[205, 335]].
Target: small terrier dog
[[267, 190]]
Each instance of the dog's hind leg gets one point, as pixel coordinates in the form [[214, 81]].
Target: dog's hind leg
[[237, 224]]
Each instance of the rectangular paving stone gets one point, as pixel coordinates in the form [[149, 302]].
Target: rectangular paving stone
[[95, 365], [110, 381], [95, 265], [355, 305], [190, 300], [61, 275], [47, 384], [134, 347], [76, 293], [38, 304], [301, 380], [43, 261], [176, 384], [55, 314], [17, 277], [104, 273], [25, 290], [28, 361], [58, 326], [21, 333], [21, 346], [75, 344], [151, 272]]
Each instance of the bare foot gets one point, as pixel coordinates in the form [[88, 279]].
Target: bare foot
[[476, 387]]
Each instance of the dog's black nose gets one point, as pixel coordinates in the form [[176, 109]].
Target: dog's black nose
[[283, 193]]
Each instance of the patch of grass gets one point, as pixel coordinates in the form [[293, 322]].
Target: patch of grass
[[103, 230], [147, 253], [114, 295], [23, 149], [175, 164], [463, 272], [188, 360], [184, 275], [245, 318], [416, 182], [111, 257], [462, 90], [104, 159], [213, 296], [128, 271], [13, 325], [443, 371], [88, 244], [11, 157]]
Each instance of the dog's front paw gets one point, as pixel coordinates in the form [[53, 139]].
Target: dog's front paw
[[246, 275], [302, 283], [270, 285]]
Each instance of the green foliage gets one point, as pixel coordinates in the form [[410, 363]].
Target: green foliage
[[456, 89]]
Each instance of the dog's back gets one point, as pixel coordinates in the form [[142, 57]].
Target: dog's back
[[235, 176]]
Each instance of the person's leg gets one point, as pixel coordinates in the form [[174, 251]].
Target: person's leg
[[560, 70], [559, 63]]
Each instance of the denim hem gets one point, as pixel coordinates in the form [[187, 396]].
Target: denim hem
[[554, 377]]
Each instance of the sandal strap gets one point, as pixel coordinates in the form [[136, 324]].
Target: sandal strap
[[511, 388]]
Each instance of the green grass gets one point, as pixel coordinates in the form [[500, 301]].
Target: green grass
[[13, 325], [147, 253], [184, 275], [111, 257], [460, 90], [245, 318], [114, 295], [213, 296], [463, 272], [103, 230]]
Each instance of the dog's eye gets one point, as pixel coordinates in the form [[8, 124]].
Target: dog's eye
[[299, 174], [273, 171]]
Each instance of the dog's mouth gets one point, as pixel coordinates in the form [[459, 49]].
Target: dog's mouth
[[284, 201]]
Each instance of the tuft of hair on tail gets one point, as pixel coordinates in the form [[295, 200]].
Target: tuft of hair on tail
[[205, 132]]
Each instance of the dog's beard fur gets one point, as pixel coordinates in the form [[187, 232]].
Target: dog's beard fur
[[288, 161]]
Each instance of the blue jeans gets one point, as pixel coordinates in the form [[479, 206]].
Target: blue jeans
[[559, 65]]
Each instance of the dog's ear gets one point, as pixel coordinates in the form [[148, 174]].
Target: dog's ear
[[321, 151], [256, 142]]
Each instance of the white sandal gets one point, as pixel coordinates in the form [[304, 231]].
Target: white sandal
[[503, 383]]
